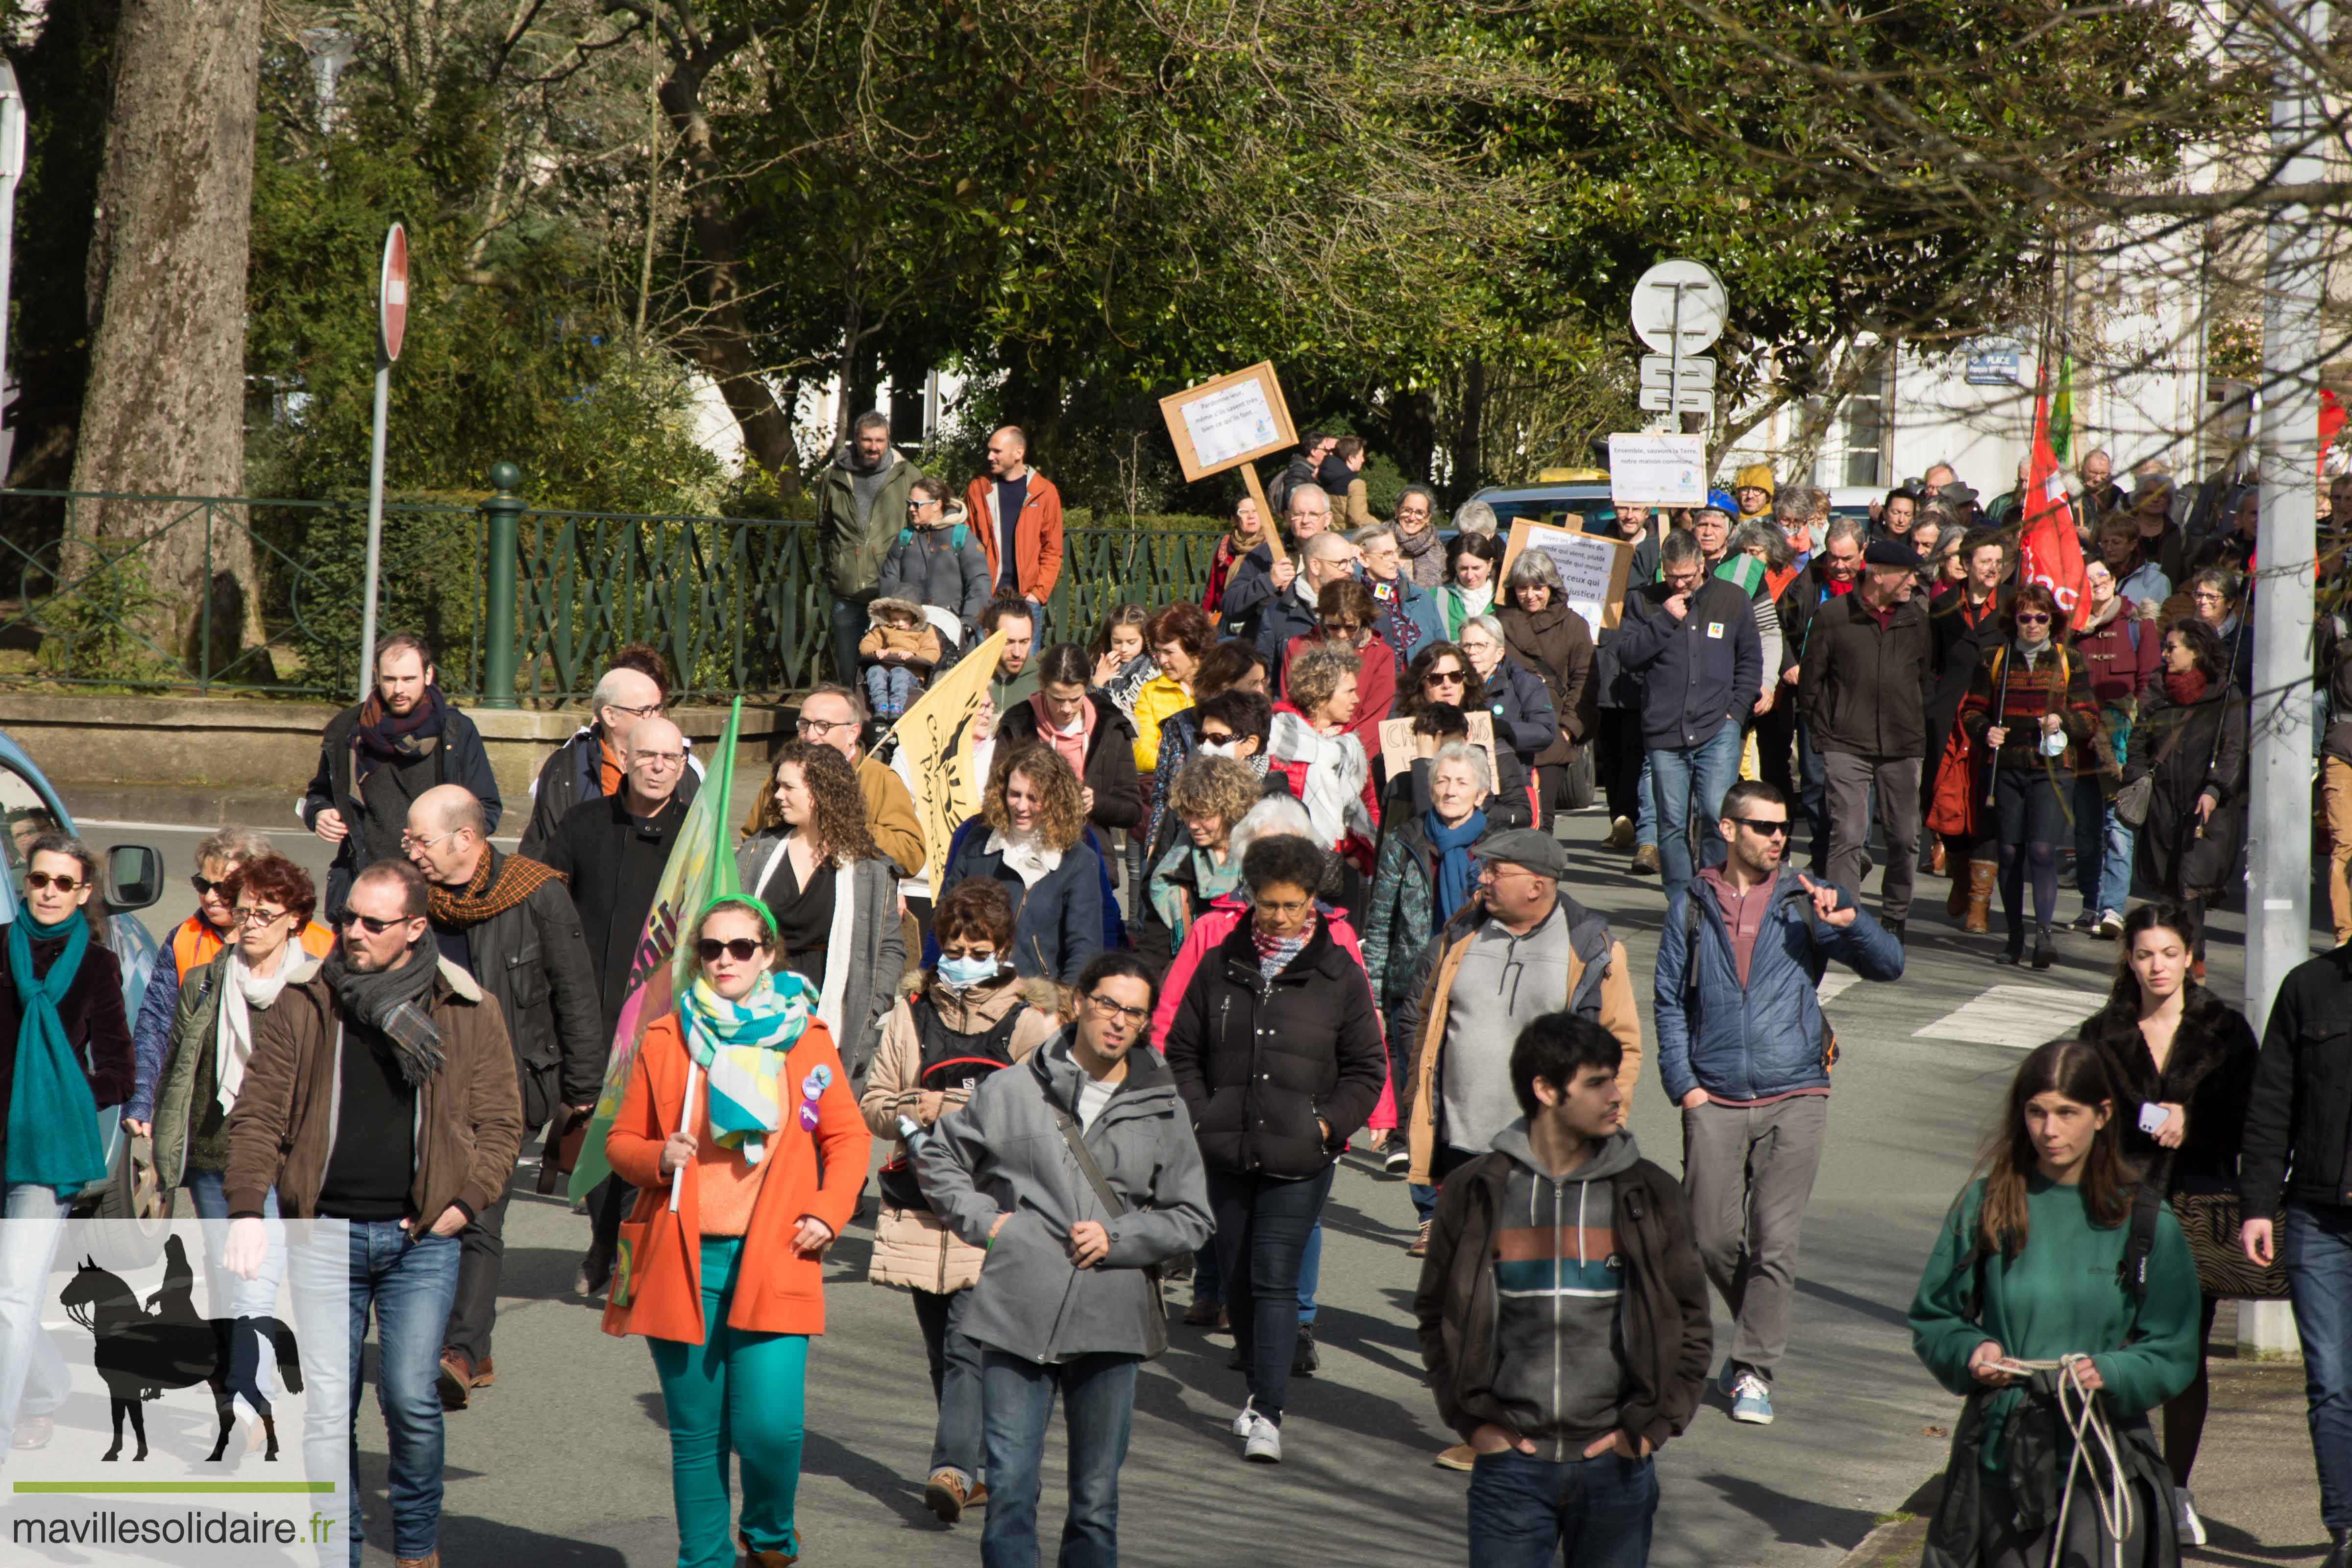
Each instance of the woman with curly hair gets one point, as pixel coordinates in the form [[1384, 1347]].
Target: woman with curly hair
[[1312, 746], [1031, 835], [833, 896], [1211, 795], [1345, 617]]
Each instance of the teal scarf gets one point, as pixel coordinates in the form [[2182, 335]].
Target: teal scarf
[[52, 1120], [740, 1046], [1458, 868]]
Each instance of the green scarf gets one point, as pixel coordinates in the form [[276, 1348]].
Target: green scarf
[[741, 1047], [52, 1118]]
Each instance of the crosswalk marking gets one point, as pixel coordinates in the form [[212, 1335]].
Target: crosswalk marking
[[2021, 1017], [1836, 983]]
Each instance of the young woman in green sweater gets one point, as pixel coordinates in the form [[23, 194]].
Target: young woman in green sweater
[[2030, 1268]]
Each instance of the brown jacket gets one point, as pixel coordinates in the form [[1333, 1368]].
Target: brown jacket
[[912, 1250], [469, 1112]]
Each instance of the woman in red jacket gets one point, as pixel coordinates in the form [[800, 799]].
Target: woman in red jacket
[[729, 1286]]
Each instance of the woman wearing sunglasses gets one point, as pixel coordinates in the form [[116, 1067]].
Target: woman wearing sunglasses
[[194, 943], [766, 1165], [61, 1010], [213, 1028], [2029, 715]]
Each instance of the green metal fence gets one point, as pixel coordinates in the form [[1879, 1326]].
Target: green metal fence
[[738, 604]]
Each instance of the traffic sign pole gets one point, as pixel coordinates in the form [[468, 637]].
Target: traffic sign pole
[[392, 323]]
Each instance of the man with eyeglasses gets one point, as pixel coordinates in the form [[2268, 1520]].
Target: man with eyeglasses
[[835, 716], [590, 765], [1297, 611], [506, 921], [1743, 1051], [380, 1092], [1307, 511], [377, 757], [1869, 663], [611, 854], [1077, 1168]]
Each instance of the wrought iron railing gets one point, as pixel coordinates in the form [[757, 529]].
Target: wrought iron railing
[[737, 605]]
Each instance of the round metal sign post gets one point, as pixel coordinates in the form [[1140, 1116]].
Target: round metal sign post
[[1679, 309], [391, 325]]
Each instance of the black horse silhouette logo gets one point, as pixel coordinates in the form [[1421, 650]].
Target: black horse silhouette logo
[[141, 1352]]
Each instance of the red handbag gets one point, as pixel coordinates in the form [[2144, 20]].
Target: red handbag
[[1953, 810]]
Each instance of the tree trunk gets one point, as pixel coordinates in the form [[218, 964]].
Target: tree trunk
[[1412, 433], [720, 341], [1469, 432], [164, 412]]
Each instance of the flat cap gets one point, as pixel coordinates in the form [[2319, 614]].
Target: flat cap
[[1530, 848]]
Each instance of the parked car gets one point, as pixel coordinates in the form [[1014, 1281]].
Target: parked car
[[1563, 497], [133, 880]]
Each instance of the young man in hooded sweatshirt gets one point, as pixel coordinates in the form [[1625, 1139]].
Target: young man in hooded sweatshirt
[[1563, 1314]]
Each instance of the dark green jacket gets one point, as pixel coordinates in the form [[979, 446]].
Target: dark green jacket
[[852, 547]]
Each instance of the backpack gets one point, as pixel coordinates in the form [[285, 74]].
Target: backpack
[[1690, 975], [957, 534], [947, 1059], [2131, 1272]]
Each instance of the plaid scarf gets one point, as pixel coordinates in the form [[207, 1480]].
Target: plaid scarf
[[1274, 953], [500, 883], [383, 736]]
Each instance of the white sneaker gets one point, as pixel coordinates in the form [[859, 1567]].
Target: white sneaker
[[1246, 1419], [2111, 924], [1265, 1444], [2192, 1529]]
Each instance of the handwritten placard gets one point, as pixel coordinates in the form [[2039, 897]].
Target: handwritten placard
[[1592, 567], [1225, 423], [1398, 747]]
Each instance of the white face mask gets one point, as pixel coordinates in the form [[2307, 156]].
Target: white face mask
[[1217, 748]]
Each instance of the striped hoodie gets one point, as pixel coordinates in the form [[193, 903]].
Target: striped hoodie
[[1559, 1280]]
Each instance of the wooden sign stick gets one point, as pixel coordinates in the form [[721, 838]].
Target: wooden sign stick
[[1270, 526]]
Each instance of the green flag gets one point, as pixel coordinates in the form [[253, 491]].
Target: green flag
[[2062, 410], [701, 868]]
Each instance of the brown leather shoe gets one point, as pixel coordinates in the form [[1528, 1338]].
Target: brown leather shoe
[[1420, 1248], [1205, 1315], [944, 1495], [456, 1378], [977, 1497], [1936, 862], [483, 1374], [755, 1558], [1460, 1456], [1645, 862], [430, 1560], [1978, 918]]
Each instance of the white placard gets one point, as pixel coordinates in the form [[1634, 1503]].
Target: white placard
[[1657, 470], [1230, 423]]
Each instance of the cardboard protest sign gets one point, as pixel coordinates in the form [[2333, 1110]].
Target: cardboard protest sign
[[935, 744], [1397, 751], [1657, 470], [1230, 423], [1592, 567]]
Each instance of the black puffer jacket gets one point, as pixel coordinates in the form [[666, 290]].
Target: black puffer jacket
[[1258, 1061]]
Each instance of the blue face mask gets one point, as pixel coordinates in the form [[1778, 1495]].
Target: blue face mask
[[963, 973]]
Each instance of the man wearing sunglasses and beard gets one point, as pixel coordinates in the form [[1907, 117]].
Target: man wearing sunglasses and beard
[[382, 1091], [1742, 1049]]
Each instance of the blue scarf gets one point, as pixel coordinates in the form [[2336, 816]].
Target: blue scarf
[[52, 1118], [1458, 868]]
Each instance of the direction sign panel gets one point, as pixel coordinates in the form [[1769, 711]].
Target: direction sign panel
[[392, 291], [1698, 373], [1690, 287], [1653, 400]]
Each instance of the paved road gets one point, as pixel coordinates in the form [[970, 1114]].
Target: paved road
[[565, 1460]]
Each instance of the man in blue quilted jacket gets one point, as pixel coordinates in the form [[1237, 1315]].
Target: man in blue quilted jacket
[[1743, 1050]]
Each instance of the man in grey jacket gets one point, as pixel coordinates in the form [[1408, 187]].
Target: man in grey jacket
[[1077, 1170]]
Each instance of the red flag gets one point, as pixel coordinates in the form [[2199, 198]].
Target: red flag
[[2331, 420], [2048, 550]]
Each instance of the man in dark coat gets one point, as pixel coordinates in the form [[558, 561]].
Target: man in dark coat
[[377, 757], [589, 765], [1863, 694], [507, 922]]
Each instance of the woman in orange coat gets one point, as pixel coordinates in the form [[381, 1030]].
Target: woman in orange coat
[[730, 1288]]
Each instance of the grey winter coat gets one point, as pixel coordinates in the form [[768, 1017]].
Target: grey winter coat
[[867, 975], [942, 566], [1003, 1153]]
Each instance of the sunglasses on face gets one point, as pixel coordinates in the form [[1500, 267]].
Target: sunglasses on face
[[36, 880], [1444, 677], [371, 925], [204, 885], [2035, 619], [1768, 828], [742, 950]]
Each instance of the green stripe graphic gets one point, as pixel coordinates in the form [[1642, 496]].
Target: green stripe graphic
[[119, 1489]]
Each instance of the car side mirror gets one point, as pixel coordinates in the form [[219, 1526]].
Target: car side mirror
[[134, 876]]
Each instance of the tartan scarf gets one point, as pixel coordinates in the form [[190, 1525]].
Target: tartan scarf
[[498, 884], [1274, 953]]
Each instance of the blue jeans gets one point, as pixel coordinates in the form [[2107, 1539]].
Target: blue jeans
[[33, 1377], [1263, 1224], [1645, 818], [254, 1298], [1594, 1513], [1098, 1407], [409, 1286], [1689, 781], [955, 1382], [2317, 1253], [737, 1395]]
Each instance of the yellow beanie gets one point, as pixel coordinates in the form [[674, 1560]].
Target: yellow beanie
[[1755, 476]]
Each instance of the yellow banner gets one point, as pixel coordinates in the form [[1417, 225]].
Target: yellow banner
[[936, 740]]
